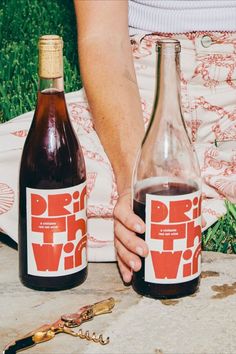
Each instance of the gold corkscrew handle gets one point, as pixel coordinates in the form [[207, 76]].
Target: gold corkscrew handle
[[86, 335]]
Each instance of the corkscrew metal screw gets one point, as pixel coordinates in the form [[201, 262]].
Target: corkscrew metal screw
[[86, 335]]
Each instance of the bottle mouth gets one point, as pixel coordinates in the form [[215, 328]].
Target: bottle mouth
[[168, 45], [50, 42]]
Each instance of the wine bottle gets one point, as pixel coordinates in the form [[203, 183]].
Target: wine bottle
[[167, 190], [52, 186]]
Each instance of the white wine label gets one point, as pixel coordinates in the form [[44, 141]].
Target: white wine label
[[173, 235], [56, 231]]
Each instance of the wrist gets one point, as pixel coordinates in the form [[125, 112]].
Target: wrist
[[124, 182]]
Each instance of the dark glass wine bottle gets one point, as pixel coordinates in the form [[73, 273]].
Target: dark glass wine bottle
[[52, 186]]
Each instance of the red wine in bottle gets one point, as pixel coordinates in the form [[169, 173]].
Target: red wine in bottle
[[163, 290], [52, 186]]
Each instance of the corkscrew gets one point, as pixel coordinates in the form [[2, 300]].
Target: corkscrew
[[86, 335], [65, 324]]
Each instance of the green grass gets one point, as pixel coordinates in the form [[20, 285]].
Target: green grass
[[221, 237], [22, 22]]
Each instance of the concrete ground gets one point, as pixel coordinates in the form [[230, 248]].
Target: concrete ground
[[204, 323]]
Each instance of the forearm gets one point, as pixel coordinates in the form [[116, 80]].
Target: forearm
[[109, 80], [111, 87]]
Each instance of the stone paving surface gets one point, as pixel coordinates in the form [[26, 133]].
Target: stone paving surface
[[200, 324]]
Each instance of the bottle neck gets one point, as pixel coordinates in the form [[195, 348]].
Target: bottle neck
[[51, 85], [167, 89], [50, 64], [166, 156], [166, 114]]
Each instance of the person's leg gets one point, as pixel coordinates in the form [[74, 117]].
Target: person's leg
[[209, 108]]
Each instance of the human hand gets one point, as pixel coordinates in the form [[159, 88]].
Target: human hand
[[128, 246]]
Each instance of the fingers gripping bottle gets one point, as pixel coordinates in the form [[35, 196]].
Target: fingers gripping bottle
[[52, 186], [167, 190]]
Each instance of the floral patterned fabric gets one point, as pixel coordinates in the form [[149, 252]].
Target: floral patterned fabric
[[208, 93], [208, 98]]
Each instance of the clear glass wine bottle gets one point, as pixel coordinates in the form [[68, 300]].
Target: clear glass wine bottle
[[167, 190]]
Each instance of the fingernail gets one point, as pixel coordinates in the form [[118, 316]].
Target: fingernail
[[126, 278], [132, 264], [138, 228], [139, 251]]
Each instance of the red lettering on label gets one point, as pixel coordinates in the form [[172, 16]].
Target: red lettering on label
[[192, 267], [173, 237], [38, 204], [82, 198], [68, 247], [76, 205], [78, 251], [192, 233], [195, 210], [159, 211], [187, 254], [195, 259], [178, 209], [57, 203], [75, 260], [195, 201], [187, 269], [69, 260], [74, 226], [166, 264], [58, 230], [200, 206], [47, 257]]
